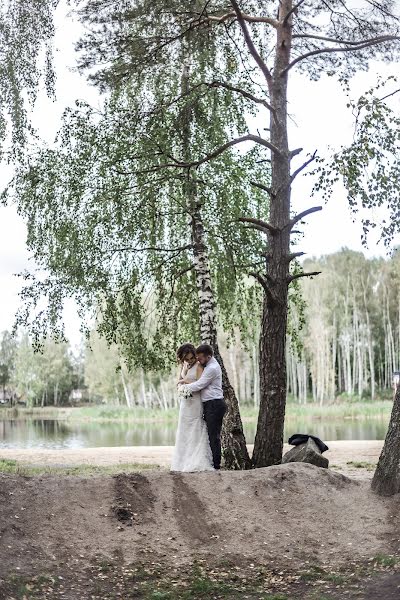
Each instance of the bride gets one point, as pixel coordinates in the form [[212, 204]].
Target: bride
[[192, 447]]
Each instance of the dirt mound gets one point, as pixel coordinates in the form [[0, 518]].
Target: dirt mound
[[296, 512]]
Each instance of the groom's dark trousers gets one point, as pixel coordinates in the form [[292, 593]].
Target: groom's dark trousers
[[214, 411]]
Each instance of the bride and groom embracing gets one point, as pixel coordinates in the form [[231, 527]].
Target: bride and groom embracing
[[202, 409]]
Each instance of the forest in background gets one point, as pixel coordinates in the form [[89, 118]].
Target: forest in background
[[344, 343]]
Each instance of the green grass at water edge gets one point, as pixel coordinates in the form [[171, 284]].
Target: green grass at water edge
[[379, 408], [342, 410], [90, 413]]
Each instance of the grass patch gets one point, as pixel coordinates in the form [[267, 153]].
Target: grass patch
[[200, 580], [336, 578], [313, 573], [345, 410], [340, 410], [384, 560], [361, 465], [16, 468]]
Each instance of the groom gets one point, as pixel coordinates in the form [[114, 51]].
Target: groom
[[210, 387]]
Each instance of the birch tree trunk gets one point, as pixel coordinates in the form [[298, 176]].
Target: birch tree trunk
[[233, 441], [127, 392]]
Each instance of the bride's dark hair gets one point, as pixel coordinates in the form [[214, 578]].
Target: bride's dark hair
[[184, 350]]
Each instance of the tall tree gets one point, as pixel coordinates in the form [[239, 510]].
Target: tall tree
[[315, 37], [156, 253]]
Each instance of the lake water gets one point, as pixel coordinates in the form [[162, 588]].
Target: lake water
[[46, 433]]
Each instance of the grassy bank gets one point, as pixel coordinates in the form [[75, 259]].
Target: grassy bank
[[14, 467], [339, 410]]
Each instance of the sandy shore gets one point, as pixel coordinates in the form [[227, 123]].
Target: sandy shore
[[340, 454]]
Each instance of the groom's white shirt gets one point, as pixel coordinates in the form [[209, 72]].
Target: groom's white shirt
[[209, 383]]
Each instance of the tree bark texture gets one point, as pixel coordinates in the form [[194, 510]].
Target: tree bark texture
[[386, 480], [269, 438]]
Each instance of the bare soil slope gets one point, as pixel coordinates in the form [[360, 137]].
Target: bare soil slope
[[295, 512]]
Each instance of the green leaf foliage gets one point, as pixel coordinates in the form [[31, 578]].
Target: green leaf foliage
[[110, 224], [369, 166], [26, 33]]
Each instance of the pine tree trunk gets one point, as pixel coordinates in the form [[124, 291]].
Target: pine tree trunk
[[269, 437], [386, 480]]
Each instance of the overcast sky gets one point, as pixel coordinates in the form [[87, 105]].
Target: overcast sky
[[319, 120]]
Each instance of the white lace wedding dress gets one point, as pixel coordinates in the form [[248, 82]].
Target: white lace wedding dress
[[192, 448]]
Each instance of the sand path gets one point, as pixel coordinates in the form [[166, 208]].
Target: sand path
[[340, 454]]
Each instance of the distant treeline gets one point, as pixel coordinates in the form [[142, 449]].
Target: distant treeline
[[344, 343], [350, 341]]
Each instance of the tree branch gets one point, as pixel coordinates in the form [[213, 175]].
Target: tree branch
[[294, 255], [303, 214], [295, 152], [389, 95], [357, 46], [152, 249], [264, 283], [259, 224], [312, 36], [298, 275], [263, 187], [303, 166], [293, 10], [183, 272], [188, 165], [244, 93], [256, 227], [245, 17], [253, 50]]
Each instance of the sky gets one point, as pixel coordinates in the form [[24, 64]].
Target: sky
[[319, 121]]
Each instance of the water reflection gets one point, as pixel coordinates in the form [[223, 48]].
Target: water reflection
[[44, 433]]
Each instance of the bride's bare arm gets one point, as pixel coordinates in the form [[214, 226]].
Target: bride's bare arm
[[183, 373]]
